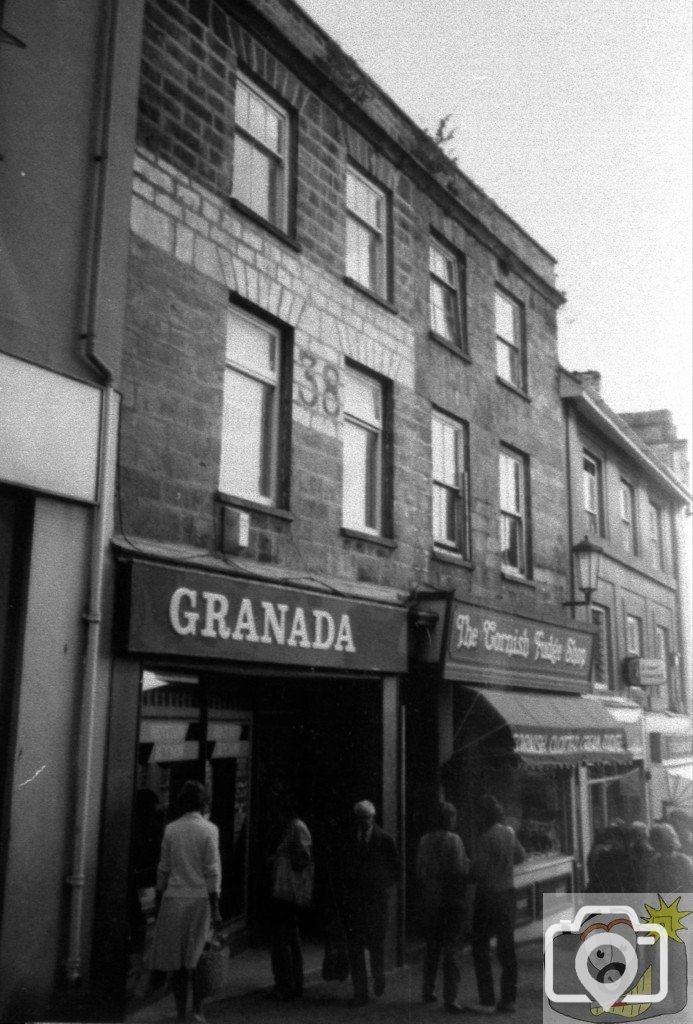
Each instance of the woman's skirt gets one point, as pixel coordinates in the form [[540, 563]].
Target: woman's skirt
[[181, 930]]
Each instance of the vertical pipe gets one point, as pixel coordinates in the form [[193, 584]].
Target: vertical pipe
[[85, 755]]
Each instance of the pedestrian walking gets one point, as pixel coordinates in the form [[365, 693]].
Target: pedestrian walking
[[640, 854], [498, 850], [187, 896], [682, 822], [610, 866], [442, 868], [370, 867], [669, 870], [292, 891]]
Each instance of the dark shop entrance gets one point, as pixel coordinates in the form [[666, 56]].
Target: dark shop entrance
[[258, 743]]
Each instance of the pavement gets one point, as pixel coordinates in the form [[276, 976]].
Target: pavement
[[246, 997]]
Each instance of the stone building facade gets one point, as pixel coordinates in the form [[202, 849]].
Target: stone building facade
[[628, 481], [310, 275], [338, 514]]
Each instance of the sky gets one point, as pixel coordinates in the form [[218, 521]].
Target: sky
[[575, 117]]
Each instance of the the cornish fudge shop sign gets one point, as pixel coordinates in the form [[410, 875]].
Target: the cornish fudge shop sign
[[173, 611], [485, 644]]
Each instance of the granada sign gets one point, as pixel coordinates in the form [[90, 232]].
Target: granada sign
[[210, 615]]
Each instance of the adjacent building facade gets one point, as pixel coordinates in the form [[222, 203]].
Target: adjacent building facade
[[68, 96], [628, 493], [327, 519]]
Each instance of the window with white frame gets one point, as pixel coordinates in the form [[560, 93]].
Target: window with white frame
[[250, 427], [450, 494], [445, 294], [513, 513], [634, 635], [592, 492], [656, 537], [627, 509], [362, 494], [509, 340], [602, 651], [261, 154], [366, 233]]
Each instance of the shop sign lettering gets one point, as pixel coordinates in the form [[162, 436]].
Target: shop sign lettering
[[535, 645], [210, 615], [478, 637], [169, 610], [549, 744]]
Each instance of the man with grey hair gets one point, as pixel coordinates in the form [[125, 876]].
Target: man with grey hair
[[370, 867]]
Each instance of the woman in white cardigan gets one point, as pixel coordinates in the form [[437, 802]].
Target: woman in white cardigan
[[187, 896]]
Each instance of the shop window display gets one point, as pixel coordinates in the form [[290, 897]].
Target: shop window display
[[543, 828]]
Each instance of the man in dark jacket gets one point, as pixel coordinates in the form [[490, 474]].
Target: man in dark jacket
[[370, 868]]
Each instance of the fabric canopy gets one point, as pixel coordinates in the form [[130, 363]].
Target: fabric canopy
[[545, 730]]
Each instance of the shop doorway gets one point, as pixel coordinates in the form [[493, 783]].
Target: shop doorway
[[615, 794], [257, 742]]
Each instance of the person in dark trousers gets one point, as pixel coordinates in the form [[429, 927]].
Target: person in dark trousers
[[292, 891], [609, 864], [498, 850], [442, 868], [640, 853], [370, 867]]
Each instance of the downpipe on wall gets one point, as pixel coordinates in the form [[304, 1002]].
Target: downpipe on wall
[[85, 767]]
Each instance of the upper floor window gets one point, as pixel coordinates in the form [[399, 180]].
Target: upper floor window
[[509, 359], [634, 635], [261, 152], [450, 495], [366, 234], [627, 509], [656, 537], [362, 494], [602, 654], [662, 645], [664, 653], [592, 493], [513, 513], [445, 294], [250, 425]]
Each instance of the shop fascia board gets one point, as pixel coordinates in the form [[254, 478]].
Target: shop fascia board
[[596, 412]]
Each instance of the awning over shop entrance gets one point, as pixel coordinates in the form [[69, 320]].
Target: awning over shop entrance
[[542, 730]]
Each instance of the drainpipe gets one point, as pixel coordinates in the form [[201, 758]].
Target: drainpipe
[[73, 963], [86, 753]]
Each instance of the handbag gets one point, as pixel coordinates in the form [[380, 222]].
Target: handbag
[[212, 970], [292, 886]]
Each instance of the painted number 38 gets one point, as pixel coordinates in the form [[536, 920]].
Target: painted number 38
[[319, 386]]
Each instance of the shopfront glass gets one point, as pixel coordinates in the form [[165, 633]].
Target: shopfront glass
[[616, 793]]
